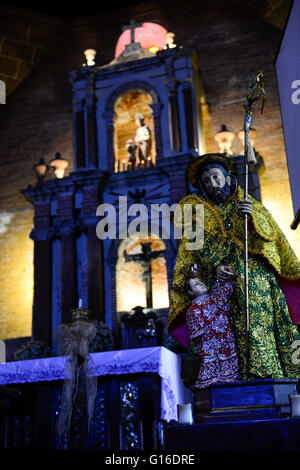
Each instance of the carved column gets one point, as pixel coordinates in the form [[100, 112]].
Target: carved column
[[116, 324], [175, 141], [79, 134], [109, 120], [90, 124], [41, 235], [65, 230], [189, 120], [92, 197], [156, 113], [178, 184]]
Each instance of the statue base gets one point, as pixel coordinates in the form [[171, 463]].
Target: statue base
[[247, 400], [252, 415]]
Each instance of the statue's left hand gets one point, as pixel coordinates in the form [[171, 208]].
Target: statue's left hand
[[244, 207]]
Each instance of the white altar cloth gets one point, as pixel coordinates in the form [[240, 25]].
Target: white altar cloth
[[127, 361]]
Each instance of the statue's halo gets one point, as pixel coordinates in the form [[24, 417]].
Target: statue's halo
[[197, 163]]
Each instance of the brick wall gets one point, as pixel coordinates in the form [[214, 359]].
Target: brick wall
[[37, 121], [25, 40]]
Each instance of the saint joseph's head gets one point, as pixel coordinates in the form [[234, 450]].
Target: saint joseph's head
[[215, 181]]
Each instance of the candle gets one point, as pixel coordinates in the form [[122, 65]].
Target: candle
[[185, 414], [2, 351], [80, 303]]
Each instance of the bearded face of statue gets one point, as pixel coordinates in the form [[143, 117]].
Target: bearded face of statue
[[216, 182]]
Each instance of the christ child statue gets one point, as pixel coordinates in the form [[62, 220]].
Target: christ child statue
[[211, 331], [142, 138]]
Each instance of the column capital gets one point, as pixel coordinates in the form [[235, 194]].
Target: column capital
[[38, 234], [84, 73], [64, 188], [39, 194]]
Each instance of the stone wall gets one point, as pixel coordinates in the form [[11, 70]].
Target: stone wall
[[37, 120]]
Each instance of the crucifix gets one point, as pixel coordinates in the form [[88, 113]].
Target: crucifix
[[132, 26], [145, 259]]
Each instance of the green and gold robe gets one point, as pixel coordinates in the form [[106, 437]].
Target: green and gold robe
[[272, 331]]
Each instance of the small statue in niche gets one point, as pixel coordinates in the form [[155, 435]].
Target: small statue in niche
[[130, 147], [142, 139]]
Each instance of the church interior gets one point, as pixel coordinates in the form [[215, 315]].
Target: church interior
[[106, 106]]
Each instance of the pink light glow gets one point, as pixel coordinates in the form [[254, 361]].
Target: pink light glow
[[149, 35]]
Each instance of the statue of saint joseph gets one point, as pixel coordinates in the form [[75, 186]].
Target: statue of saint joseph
[[274, 270]]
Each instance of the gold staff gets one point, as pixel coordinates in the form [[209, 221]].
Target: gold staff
[[256, 91]]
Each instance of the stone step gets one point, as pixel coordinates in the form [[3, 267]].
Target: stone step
[[269, 434]]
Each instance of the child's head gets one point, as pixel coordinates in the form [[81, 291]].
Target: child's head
[[195, 287]]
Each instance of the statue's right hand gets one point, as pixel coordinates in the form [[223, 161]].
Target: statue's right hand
[[224, 273]]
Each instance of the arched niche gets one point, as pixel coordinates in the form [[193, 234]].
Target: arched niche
[[130, 288], [127, 106]]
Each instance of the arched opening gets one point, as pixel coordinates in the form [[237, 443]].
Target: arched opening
[[134, 140], [131, 273]]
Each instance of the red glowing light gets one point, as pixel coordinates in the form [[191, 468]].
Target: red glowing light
[[148, 35]]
